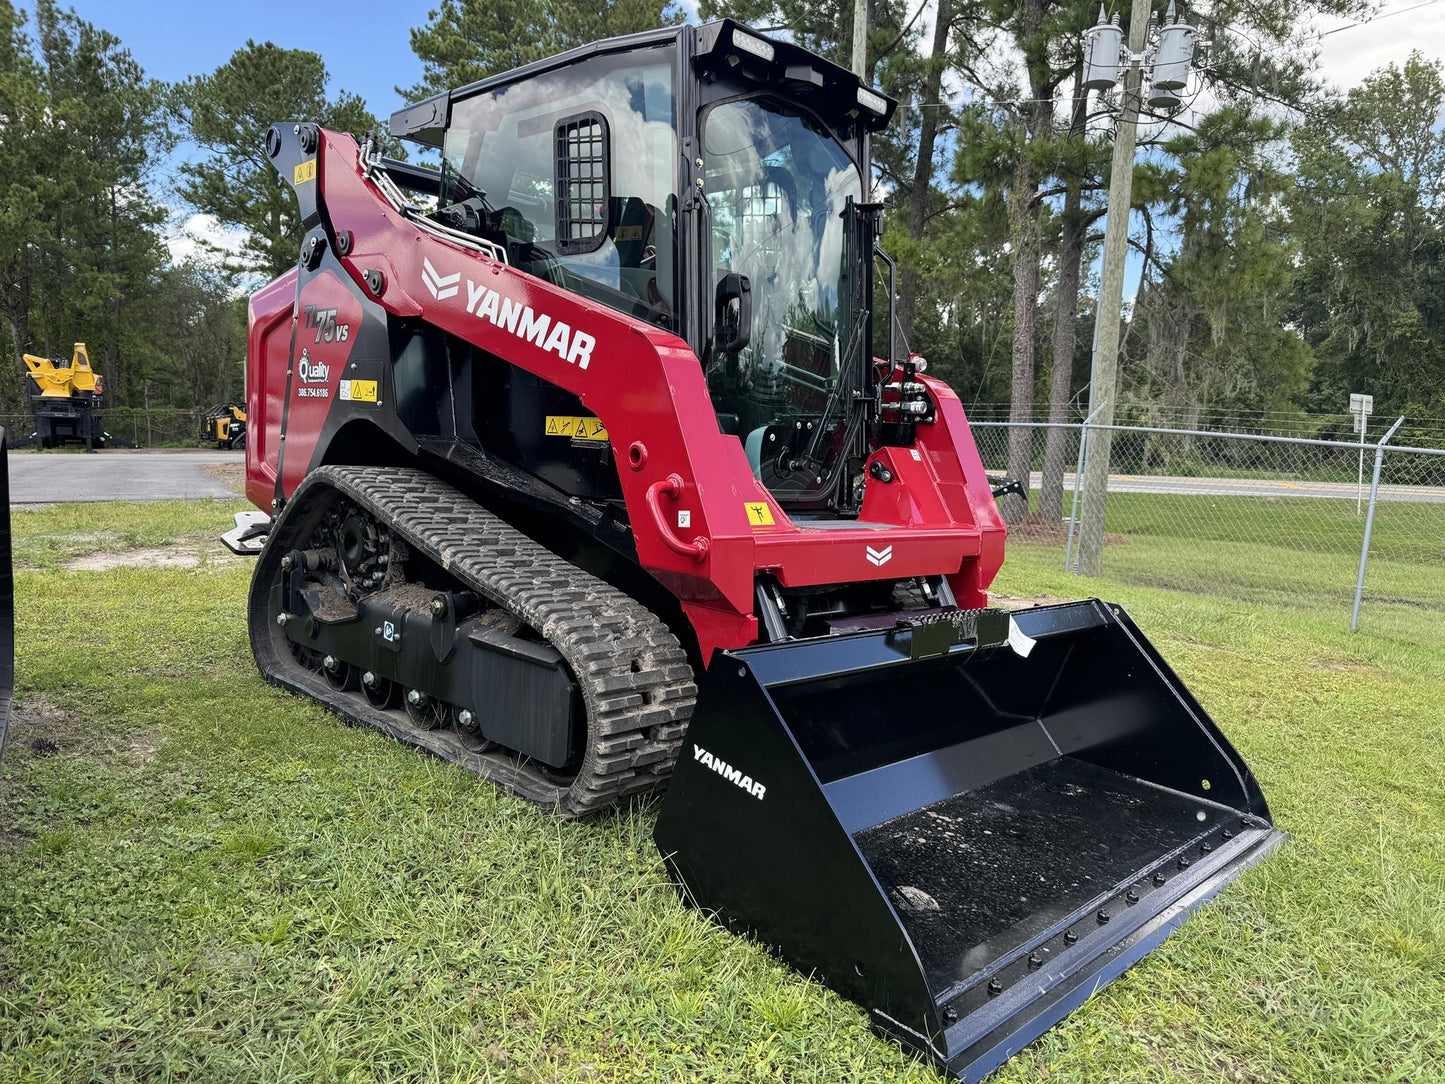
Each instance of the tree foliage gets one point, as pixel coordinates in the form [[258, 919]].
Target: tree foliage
[[1209, 324], [1366, 210], [467, 40], [227, 113]]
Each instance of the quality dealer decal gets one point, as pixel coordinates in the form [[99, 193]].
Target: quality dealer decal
[[314, 376]]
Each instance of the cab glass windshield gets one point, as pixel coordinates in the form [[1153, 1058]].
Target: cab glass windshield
[[777, 187]]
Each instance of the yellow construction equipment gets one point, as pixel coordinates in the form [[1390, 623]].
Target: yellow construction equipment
[[65, 398], [226, 425]]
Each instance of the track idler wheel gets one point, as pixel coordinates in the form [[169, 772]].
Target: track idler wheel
[[468, 729], [341, 676], [425, 711], [381, 693]]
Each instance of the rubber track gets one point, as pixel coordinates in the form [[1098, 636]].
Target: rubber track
[[637, 685]]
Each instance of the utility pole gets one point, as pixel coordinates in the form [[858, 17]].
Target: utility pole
[[1103, 380], [1167, 65], [860, 39]]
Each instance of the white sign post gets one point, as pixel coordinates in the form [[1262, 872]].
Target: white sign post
[[1361, 406]]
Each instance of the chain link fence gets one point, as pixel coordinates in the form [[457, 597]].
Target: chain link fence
[[1265, 519], [1416, 432], [158, 427]]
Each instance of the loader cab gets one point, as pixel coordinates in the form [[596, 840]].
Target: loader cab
[[709, 181]]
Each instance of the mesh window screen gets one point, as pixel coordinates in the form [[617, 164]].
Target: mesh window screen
[[583, 187], [763, 200]]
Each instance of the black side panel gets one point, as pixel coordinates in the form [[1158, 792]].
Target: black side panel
[[538, 427], [7, 600]]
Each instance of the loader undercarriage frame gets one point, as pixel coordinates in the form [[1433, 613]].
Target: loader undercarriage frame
[[499, 639]]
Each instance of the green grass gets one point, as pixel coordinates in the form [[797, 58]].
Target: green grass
[[213, 881], [54, 537]]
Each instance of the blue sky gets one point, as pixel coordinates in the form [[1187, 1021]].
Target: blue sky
[[365, 46]]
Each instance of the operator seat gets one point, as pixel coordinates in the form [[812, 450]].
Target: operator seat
[[639, 258], [518, 232]]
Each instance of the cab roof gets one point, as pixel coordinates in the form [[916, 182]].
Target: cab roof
[[791, 70]]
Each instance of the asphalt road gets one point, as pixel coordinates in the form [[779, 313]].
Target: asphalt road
[[1256, 487], [118, 474]]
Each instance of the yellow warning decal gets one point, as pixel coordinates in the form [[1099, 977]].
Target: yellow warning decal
[[578, 428], [759, 514], [305, 171], [628, 233], [359, 391]]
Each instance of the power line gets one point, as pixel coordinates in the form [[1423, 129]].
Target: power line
[[1378, 18]]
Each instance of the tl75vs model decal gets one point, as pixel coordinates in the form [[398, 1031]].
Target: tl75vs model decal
[[324, 322]]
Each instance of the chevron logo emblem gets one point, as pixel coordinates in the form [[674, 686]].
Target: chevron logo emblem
[[439, 286], [879, 558]]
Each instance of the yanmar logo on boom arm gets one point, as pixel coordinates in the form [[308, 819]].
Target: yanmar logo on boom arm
[[541, 329], [439, 286]]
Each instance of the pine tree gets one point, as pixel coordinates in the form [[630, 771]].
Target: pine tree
[[227, 114]]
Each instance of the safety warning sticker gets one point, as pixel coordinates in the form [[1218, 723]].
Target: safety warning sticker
[[358, 391], [578, 428], [759, 514]]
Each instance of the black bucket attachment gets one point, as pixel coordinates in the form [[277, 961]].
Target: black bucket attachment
[[966, 826], [7, 600]]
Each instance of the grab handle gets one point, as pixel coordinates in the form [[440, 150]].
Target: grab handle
[[671, 487]]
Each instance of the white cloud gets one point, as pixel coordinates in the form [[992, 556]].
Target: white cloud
[[186, 243], [1353, 52]]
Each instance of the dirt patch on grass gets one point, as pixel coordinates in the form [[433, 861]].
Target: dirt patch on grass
[[230, 475], [40, 728], [40, 725], [1345, 666], [180, 555]]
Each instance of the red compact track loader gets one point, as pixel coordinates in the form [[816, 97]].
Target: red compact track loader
[[583, 474]]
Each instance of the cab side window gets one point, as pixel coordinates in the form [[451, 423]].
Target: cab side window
[[577, 169]]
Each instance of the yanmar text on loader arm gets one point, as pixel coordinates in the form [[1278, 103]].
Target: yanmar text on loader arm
[[583, 474]]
